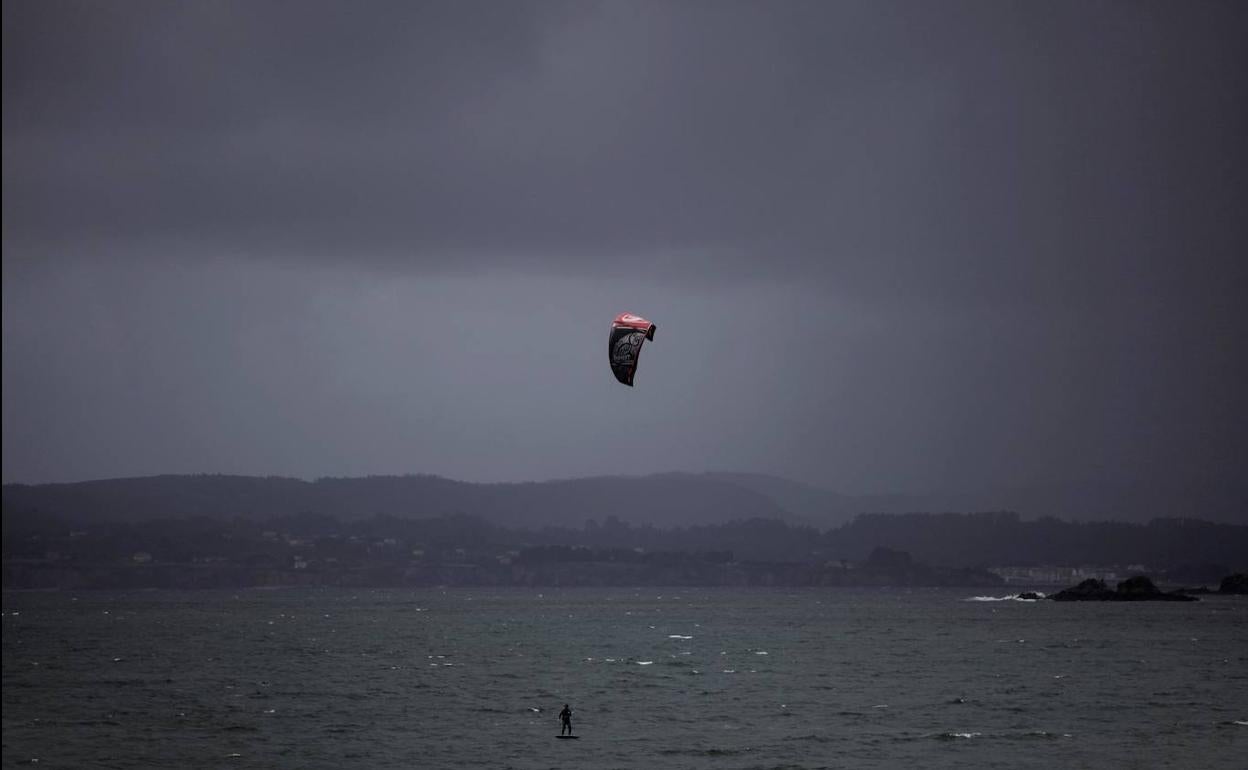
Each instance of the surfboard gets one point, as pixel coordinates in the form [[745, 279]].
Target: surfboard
[[567, 737]]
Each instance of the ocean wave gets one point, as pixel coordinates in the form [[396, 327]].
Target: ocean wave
[[816, 738], [1006, 598], [237, 728], [1017, 735], [1041, 734], [711, 752]]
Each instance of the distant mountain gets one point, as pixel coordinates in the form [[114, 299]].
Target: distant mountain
[[809, 504], [1089, 500], [1221, 500], [662, 500]]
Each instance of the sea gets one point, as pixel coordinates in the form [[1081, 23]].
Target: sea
[[656, 678]]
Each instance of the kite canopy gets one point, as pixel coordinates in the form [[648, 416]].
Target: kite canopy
[[628, 331]]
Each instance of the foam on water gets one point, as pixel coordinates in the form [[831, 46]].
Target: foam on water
[[1006, 598]]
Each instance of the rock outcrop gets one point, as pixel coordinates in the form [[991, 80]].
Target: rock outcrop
[[1234, 584], [1133, 589]]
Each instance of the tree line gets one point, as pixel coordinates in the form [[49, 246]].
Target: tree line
[[1192, 549]]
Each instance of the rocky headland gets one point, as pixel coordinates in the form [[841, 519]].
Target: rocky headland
[[1134, 589], [1234, 584]]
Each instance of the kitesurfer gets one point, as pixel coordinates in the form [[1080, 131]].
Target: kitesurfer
[[565, 717]]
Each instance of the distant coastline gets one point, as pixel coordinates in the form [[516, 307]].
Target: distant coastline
[[536, 567], [181, 518], [210, 531]]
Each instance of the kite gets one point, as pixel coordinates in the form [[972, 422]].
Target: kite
[[628, 331]]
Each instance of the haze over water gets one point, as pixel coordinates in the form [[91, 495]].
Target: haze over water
[[692, 678]]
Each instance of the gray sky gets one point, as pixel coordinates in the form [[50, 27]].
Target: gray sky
[[888, 246]]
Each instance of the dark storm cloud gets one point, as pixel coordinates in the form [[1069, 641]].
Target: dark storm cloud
[[1016, 227], [911, 147]]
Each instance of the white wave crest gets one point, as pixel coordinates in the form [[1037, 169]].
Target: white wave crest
[[1007, 598]]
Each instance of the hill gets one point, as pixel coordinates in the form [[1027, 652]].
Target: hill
[[663, 500]]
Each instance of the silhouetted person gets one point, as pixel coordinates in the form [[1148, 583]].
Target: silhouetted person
[[565, 717]]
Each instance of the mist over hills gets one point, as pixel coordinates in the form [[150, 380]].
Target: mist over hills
[[1215, 500], [81, 534], [664, 500], [661, 500]]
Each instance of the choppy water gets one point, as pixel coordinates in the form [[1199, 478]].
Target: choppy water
[[688, 678]]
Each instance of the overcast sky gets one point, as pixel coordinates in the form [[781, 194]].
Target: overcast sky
[[889, 246]]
